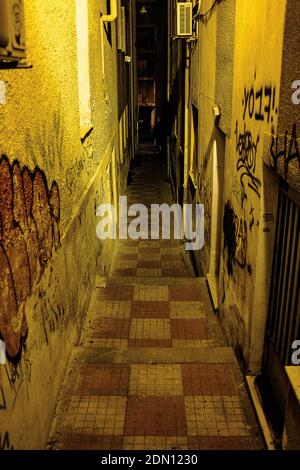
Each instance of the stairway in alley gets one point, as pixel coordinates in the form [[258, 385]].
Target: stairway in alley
[[152, 369]]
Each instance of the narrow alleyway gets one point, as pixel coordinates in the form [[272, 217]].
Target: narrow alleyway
[[152, 370]]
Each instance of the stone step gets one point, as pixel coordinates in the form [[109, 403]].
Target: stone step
[[215, 355], [152, 281]]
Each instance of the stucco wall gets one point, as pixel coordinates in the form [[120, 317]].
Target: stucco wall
[[282, 151], [256, 88], [207, 133], [48, 246], [237, 64], [211, 84]]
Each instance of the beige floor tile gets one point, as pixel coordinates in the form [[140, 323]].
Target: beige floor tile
[[193, 343], [156, 380], [96, 415], [155, 443], [150, 329], [151, 293], [111, 309], [215, 416], [186, 309]]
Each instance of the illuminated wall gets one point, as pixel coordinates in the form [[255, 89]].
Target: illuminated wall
[[56, 141], [244, 66]]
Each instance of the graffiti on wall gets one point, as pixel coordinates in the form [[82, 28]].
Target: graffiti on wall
[[246, 148], [235, 240], [285, 149], [258, 106], [29, 232], [2, 399], [259, 103], [18, 375], [5, 441]]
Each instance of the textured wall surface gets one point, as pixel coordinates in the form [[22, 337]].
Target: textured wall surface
[[283, 146], [50, 185], [256, 88], [245, 60], [237, 64], [225, 61]]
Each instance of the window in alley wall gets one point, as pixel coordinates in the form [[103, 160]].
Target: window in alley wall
[[82, 25]]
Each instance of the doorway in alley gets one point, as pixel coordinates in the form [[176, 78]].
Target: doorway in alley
[[283, 326], [151, 49]]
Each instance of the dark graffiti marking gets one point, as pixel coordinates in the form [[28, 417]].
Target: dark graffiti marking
[[235, 240], [53, 314], [5, 442], [252, 219], [260, 103], [246, 148], [29, 232], [2, 399], [229, 230], [285, 147], [18, 374]]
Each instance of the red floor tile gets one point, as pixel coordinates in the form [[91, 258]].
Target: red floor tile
[[155, 416], [130, 272], [129, 243], [167, 257], [184, 293], [174, 273], [208, 379], [128, 256], [149, 264], [150, 343], [149, 250], [150, 309], [189, 329], [115, 293], [83, 442], [100, 379], [110, 328]]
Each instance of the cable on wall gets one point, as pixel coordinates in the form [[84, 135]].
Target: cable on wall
[[201, 16]]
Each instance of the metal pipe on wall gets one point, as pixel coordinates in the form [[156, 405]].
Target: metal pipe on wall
[[113, 12], [186, 126]]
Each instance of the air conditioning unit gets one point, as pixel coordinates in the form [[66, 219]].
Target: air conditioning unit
[[184, 19], [12, 30]]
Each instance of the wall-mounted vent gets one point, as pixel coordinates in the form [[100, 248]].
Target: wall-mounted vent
[[184, 19], [12, 30]]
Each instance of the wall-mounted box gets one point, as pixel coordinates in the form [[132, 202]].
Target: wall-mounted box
[[184, 19], [12, 30]]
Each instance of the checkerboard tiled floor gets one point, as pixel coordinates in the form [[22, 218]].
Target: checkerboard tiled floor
[[136, 381]]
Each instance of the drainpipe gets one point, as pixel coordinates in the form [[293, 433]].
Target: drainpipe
[[107, 19], [186, 128], [113, 12]]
